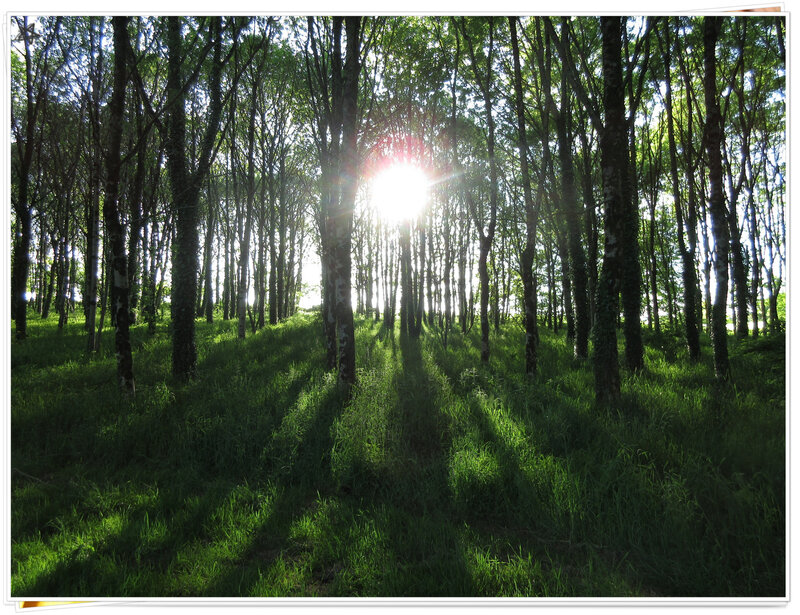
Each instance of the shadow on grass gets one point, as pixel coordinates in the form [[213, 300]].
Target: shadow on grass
[[401, 540], [192, 444], [302, 475], [442, 476]]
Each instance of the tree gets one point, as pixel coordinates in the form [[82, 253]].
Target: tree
[[343, 211], [185, 185], [613, 147], [36, 85], [486, 236], [690, 287], [577, 257], [119, 259], [719, 217], [531, 214], [334, 97]]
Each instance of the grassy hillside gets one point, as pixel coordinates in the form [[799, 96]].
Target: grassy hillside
[[441, 477]]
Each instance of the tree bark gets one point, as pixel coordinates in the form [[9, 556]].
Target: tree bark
[[343, 218], [531, 215], [244, 262], [93, 213], [616, 165], [116, 232], [185, 185], [577, 257], [486, 237], [687, 254], [719, 218]]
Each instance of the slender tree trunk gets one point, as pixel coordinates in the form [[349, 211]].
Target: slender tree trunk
[[116, 232], [151, 275], [577, 257], [406, 298], [616, 165], [687, 255], [184, 279], [343, 218], [185, 187], [654, 266], [48, 281], [22, 208], [566, 286], [420, 285], [262, 273], [273, 256], [630, 264], [495, 286], [485, 237], [590, 224], [281, 261], [105, 292], [531, 215], [719, 219], [433, 303], [65, 279], [739, 274], [244, 262], [754, 251], [208, 304], [136, 221], [226, 281]]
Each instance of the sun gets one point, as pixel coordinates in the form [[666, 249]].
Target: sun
[[400, 192]]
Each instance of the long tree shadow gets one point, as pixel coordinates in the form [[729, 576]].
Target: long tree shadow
[[134, 557], [401, 540], [234, 490], [300, 471], [192, 446], [632, 506]]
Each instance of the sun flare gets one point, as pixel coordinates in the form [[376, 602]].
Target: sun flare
[[400, 192]]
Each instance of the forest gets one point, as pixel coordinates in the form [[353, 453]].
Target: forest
[[217, 220]]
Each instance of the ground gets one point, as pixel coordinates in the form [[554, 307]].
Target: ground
[[440, 477]]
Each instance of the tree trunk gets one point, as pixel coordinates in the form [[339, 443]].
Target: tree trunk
[[653, 265], [208, 303], [420, 285], [273, 257], [566, 286], [226, 280], [244, 262], [739, 274], [343, 218], [49, 281], [687, 255], [281, 262], [531, 214], [719, 218], [185, 187], [577, 257], [616, 165], [22, 208], [486, 238], [136, 220], [116, 233], [754, 250], [407, 296]]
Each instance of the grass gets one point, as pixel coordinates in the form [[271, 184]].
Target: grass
[[439, 477]]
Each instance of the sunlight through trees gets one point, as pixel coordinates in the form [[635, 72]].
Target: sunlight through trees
[[293, 225]]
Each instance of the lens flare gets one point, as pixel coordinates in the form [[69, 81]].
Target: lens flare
[[400, 192]]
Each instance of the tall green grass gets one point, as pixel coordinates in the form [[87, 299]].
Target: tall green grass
[[439, 476]]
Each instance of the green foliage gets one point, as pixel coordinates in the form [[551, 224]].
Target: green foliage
[[440, 477]]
